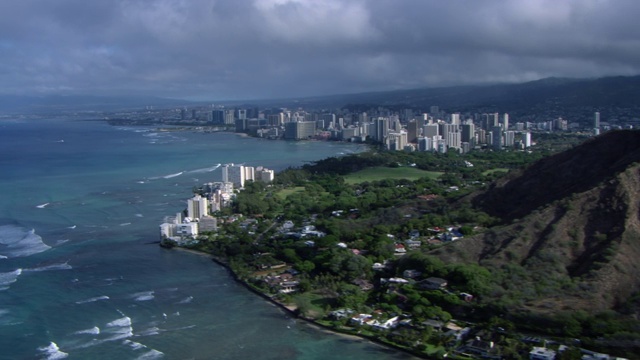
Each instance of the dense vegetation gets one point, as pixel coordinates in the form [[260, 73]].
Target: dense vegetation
[[366, 232]]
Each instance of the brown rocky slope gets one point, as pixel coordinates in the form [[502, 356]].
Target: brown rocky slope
[[570, 237]]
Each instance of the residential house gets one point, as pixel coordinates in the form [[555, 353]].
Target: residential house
[[433, 283]]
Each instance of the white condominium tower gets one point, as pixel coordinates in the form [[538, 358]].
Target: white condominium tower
[[197, 207]]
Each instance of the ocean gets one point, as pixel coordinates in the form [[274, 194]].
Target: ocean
[[81, 276]]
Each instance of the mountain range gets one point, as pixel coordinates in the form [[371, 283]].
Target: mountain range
[[561, 95]]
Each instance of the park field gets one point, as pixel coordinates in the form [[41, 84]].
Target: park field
[[382, 173]]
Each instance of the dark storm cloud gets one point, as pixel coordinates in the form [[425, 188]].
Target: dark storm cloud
[[270, 48]]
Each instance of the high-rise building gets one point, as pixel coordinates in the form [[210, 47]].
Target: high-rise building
[[397, 140], [468, 133], [489, 121], [231, 173], [526, 139], [596, 123], [505, 121], [235, 175], [274, 120], [217, 116], [425, 144], [446, 130], [496, 137], [229, 119], [430, 130], [453, 139], [197, 207], [299, 130], [412, 131], [422, 120], [509, 138], [455, 119], [264, 174], [481, 137], [381, 128]]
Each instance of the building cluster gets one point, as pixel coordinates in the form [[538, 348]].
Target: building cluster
[[238, 174], [408, 131], [184, 227]]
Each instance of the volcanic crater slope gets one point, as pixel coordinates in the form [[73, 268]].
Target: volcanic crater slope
[[570, 232]]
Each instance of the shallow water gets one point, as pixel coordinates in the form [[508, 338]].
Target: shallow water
[[80, 276]]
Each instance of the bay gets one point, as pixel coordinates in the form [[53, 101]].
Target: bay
[[80, 276]]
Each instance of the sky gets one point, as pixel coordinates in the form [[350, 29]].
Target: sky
[[263, 49]]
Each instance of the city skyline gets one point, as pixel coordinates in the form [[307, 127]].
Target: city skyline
[[227, 50]]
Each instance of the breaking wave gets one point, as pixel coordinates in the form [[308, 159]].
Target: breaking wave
[[93, 331], [53, 352], [93, 299], [19, 242], [143, 296]]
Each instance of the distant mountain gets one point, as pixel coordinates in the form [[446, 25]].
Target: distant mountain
[[555, 96], [62, 103], [535, 96], [570, 233]]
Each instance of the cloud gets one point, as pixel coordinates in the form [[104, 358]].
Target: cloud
[[225, 49]]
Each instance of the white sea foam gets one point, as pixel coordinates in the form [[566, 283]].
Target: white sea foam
[[53, 352], [93, 299], [93, 331], [143, 296], [149, 332], [60, 266], [42, 206], [20, 242], [186, 327], [134, 345], [173, 175], [61, 241], [122, 322], [9, 278], [119, 329], [186, 300], [3, 257], [151, 354], [204, 170], [125, 224], [139, 215]]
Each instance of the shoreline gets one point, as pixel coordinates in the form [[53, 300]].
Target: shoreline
[[292, 310]]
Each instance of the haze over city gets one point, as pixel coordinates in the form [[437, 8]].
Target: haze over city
[[242, 49]]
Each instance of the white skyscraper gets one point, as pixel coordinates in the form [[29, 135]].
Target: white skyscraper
[[526, 139], [455, 119], [505, 122], [197, 207]]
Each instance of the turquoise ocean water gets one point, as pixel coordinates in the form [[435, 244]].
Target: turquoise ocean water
[[80, 278]]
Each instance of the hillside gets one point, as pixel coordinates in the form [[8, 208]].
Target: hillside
[[570, 237], [551, 94]]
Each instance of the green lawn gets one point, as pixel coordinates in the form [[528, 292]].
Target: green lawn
[[284, 193], [381, 173], [505, 170]]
